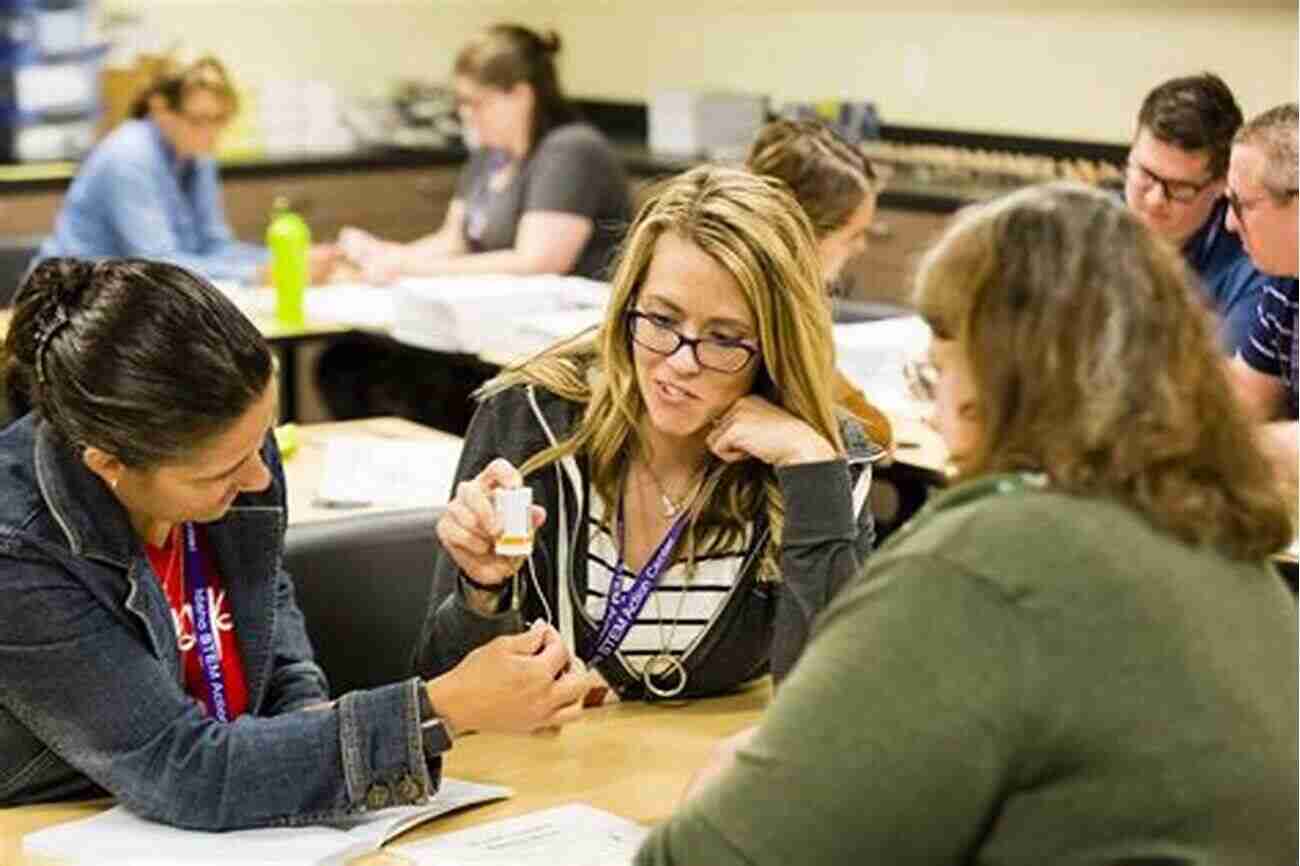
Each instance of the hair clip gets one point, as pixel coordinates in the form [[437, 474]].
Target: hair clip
[[59, 319]]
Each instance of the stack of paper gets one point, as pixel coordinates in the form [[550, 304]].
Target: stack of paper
[[117, 836], [467, 314], [355, 304], [572, 835], [872, 355], [371, 470], [530, 335]]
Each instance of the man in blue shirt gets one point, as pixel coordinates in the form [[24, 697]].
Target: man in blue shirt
[[151, 190], [1262, 187], [1174, 183]]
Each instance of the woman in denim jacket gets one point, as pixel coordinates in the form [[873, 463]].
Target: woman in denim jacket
[[150, 645]]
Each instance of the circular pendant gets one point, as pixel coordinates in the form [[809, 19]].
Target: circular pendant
[[660, 666]]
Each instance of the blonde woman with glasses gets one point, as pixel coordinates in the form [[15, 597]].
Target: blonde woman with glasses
[[699, 499]]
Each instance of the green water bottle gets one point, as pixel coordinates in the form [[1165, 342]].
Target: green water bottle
[[289, 240]]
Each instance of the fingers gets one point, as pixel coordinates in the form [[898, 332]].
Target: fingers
[[527, 643], [472, 497], [554, 656], [538, 514], [459, 527], [500, 473]]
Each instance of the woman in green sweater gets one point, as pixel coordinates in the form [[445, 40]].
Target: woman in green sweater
[[1079, 653]]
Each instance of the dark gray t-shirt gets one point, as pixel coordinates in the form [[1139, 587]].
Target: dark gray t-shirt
[[572, 170]]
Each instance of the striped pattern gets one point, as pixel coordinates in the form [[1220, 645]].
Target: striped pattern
[[679, 610], [1272, 346]]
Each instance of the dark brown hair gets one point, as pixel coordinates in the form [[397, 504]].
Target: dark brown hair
[[829, 177], [1093, 361], [206, 73], [1196, 112], [141, 359], [507, 54]]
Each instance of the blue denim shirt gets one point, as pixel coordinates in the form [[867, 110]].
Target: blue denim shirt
[[133, 197], [92, 695], [1231, 283]]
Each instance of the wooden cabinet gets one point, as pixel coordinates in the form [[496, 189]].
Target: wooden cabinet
[[397, 204], [885, 271]]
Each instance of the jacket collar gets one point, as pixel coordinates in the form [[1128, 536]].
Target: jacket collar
[[93, 521]]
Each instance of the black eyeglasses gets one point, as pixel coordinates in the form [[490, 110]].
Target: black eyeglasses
[[1181, 191], [657, 334], [1241, 206]]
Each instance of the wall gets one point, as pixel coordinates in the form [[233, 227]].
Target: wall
[[1053, 68]]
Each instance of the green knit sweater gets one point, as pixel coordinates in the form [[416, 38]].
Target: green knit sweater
[[1023, 677]]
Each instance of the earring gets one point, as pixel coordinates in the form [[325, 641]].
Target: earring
[[113, 483]]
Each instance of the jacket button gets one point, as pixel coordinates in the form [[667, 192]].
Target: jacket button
[[409, 790], [378, 796]]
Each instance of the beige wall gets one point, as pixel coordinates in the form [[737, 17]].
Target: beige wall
[[1052, 68]]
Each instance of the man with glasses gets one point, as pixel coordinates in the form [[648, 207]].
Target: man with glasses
[[1262, 193], [1174, 183]]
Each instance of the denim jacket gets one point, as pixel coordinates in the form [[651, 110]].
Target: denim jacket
[[134, 197], [91, 694]]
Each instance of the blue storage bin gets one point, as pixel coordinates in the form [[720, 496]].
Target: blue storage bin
[[67, 83], [43, 137]]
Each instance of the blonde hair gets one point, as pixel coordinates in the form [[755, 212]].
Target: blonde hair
[[1093, 361], [755, 230], [206, 73]]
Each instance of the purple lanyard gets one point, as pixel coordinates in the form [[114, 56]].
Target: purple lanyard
[[196, 575], [623, 607]]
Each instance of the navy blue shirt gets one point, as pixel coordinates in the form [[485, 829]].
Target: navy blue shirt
[[1231, 283], [1271, 348]]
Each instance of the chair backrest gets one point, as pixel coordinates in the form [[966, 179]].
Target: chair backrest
[[16, 254], [363, 584]]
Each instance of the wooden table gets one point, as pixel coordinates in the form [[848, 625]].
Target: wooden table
[[304, 468], [631, 759]]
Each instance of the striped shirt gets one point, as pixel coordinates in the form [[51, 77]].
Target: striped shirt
[[681, 608], [1271, 348]]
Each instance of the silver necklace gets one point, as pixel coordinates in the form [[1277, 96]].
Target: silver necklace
[[671, 505]]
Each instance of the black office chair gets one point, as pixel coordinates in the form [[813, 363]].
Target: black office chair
[[362, 583], [16, 254]]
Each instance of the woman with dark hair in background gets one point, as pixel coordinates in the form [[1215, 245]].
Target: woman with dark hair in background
[[1079, 653], [150, 645], [151, 189], [542, 193]]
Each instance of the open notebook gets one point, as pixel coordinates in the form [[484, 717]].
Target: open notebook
[[117, 836]]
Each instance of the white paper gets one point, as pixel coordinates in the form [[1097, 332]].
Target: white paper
[[373, 470], [872, 356], [467, 314], [117, 836], [353, 304], [573, 835]]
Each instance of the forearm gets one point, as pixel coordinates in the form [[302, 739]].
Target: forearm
[[515, 262], [823, 546]]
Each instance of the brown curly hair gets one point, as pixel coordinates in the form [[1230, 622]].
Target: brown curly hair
[[1093, 361]]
